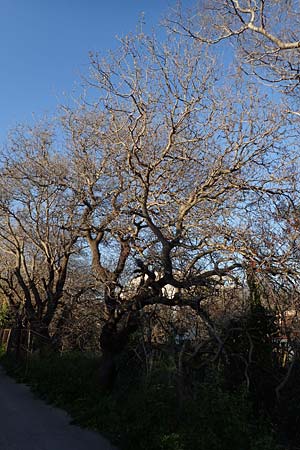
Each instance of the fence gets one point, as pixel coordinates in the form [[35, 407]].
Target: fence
[[5, 337], [21, 341]]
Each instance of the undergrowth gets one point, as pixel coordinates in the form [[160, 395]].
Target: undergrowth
[[145, 414]]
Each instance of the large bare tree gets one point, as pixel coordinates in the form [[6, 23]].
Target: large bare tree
[[168, 154]]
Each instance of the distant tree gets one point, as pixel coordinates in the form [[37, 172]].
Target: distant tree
[[38, 226]]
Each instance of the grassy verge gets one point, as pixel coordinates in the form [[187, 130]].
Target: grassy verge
[[145, 415]]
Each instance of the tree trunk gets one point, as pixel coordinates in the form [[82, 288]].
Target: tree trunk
[[113, 340]]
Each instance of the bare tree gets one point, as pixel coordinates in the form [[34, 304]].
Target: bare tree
[[266, 33], [168, 155], [38, 226], [165, 173]]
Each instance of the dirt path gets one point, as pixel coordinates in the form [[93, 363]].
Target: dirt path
[[27, 423]]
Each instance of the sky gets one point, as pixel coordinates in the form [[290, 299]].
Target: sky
[[44, 47]]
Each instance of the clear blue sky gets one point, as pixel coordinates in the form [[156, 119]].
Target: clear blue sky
[[44, 47]]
